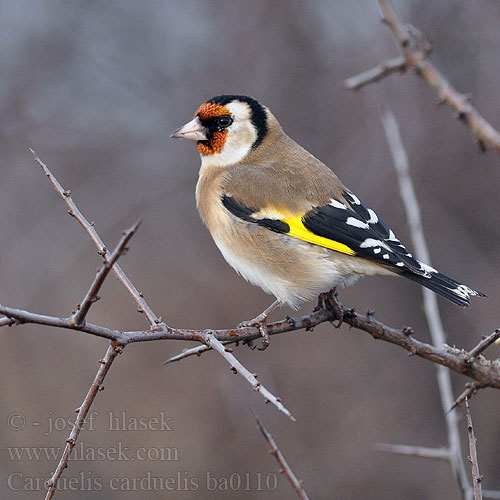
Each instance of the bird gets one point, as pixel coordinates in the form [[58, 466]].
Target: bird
[[283, 220]]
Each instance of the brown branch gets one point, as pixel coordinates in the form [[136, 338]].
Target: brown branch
[[82, 411], [78, 317], [415, 54], [284, 467], [484, 372], [398, 64], [414, 451], [476, 477], [485, 343], [102, 250]]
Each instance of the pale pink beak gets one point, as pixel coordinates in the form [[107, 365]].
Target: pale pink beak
[[193, 131]]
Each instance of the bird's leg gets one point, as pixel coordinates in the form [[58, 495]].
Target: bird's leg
[[260, 321], [331, 302]]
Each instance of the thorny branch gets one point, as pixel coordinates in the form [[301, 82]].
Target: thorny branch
[[82, 309], [285, 468], [415, 52], [481, 370], [476, 477], [104, 365], [74, 211]]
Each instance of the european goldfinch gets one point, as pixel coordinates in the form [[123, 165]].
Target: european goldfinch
[[282, 219]]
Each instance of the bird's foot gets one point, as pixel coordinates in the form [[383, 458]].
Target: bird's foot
[[260, 322], [331, 302]]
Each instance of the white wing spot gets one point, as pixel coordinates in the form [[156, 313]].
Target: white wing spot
[[337, 204], [376, 250], [372, 242], [400, 264], [373, 217], [354, 199], [427, 268], [385, 256], [351, 221], [392, 236]]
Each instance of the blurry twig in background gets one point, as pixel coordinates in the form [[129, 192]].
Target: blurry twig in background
[[415, 52], [408, 196], [285, 468], [398, 64], [476, 477], [414, 451]]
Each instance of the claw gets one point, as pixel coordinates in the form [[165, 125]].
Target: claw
[[333, 304], [260, 322]]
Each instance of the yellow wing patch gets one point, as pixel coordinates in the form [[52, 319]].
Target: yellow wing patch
[[298, 230]]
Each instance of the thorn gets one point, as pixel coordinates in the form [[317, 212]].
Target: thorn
[[141, 294], [234, 370], [228, 349], [407, 330]]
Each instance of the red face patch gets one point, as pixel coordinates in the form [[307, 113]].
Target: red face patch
[[216, 143], [207, 111], [211, 110]]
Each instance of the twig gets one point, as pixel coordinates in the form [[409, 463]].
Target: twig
[[431, 309], [485, 343], [210, 340], [89, 228], [78, 317], [7, 322], [476, 477], [186, 353], [82, 411], [493, 494], [398, 64], [470, 389], [285, 468], [416, 59], [414, 451]]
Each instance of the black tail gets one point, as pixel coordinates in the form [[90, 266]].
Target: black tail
[[445, 286]]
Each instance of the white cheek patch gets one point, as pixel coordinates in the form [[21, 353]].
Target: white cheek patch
[[241, 135]]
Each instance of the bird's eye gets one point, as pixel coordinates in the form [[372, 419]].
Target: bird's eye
[[224, 121]]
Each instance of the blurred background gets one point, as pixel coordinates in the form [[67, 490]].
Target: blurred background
[[96, 88]]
